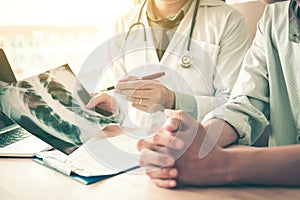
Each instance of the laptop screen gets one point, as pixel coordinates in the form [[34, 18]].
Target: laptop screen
[[6, 73], [6, 76], [5, 121]]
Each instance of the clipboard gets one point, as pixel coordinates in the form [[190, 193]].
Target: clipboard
[[86, 170], [82, 179]]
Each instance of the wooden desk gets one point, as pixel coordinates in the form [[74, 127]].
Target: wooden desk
[[25, 179]]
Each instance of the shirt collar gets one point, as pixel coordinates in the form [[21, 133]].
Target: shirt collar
[[211, 3], [154, 18], [294, 22]]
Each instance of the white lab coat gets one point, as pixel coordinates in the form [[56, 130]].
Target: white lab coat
[[220, 40]]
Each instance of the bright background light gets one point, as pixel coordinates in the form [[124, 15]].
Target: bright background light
[[61, 12], [41, 34]]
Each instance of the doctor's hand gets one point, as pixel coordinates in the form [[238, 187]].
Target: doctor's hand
[[144, 94], [172, 157], [105, 102]]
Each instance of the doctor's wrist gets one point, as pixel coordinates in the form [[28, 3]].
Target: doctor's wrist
[[172, 101]]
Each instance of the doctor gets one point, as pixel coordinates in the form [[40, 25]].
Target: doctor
[[168, 35]]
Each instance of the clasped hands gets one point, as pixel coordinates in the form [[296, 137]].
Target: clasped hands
[[173, 156]]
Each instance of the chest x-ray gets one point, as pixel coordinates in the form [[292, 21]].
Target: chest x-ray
[[51, 106]]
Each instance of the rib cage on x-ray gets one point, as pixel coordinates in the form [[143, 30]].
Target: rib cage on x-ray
[[39, 108], [52, 102]]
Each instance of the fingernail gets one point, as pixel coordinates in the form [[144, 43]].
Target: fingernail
[[88, 106], [172, 183]]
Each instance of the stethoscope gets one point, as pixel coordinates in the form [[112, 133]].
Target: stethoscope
[[185, 60]]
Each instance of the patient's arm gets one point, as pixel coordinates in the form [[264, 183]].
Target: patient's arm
[[266, 166]]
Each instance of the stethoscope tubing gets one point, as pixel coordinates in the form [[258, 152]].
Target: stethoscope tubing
[[184, 61]]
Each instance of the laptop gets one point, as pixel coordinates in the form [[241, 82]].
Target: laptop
[[14, 140]]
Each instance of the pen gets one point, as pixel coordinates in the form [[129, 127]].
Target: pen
[[147, 77]]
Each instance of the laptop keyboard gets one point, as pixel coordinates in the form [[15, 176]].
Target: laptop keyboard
[[13, 136]]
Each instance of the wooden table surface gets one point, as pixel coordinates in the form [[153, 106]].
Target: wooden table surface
[[25, 179]]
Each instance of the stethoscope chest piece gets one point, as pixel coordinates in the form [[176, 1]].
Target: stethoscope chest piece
[[185, 61]]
